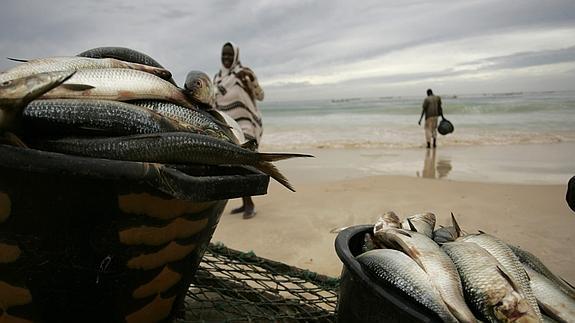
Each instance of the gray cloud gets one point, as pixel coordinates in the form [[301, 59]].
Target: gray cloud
[[279, 38], [526, 59]]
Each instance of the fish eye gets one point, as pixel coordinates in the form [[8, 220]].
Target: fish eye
[[198, 83], [6, 83]]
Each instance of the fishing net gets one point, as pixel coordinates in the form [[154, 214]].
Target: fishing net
[[233, 286]]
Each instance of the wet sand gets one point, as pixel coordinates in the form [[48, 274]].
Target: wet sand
[[514, 192]]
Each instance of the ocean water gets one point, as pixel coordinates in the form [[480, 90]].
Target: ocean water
[[391, 122]]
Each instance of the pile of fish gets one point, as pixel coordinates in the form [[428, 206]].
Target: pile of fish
[[463, 277], [118, 103]]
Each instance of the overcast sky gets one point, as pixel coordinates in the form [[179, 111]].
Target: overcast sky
[[304, 49]]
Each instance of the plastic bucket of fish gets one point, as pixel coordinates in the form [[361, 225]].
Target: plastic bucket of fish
[[96, 240], [361, 298]]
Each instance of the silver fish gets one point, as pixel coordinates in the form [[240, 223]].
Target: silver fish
[[172, 148], [436, 264], [124, 54], [195, 117], [422, 223], [499, 249], [392, 267], [99, 116], [530, 260], [73, 63], [550, 298], [487, 285], [118, 84]]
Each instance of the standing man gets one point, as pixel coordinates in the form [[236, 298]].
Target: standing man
[[237, 90], [432, 110]]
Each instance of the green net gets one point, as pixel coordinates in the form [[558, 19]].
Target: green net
[[233, 286]]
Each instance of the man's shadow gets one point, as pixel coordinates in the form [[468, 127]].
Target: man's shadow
[[433, 169]]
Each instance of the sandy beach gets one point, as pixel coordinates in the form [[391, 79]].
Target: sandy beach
[[514, 192]]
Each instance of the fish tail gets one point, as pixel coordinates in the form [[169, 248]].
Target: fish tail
[[17, 59], [271, 170], [271, 157]]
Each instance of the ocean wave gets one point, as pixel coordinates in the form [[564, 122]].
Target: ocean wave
[[294, 141]]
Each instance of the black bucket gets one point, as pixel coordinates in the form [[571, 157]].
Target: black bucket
[[97, 240], [361, 298], [445, 127]]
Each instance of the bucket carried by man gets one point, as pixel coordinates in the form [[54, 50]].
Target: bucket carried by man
[[445, 127]]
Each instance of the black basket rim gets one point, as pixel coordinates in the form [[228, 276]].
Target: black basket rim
[[167, 179]]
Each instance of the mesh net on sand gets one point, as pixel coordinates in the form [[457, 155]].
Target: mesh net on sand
[[233, 286]]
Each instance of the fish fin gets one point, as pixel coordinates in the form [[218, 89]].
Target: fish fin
[[9, 138], [411, 226], [271, 170], [507, 277], [77, 87], [162, 73], [456, 226], [481, 232], [223, 125], [93, 129], [18, 59], [405, 233], [271, 157], [566, 282], [218, 119], [250, 145], [146, 136]]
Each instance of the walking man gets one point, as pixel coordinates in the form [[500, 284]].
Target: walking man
[[432, 110]]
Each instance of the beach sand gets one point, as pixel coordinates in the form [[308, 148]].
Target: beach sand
[[524, 205]]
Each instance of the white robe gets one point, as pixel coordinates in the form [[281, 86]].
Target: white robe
[[235, 100]]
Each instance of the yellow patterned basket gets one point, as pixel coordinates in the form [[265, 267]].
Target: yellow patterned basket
[[96, 240]]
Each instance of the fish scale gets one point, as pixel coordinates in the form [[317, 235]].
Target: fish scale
[[194, 117], [486, 289], [396, 268], [118, 84], [63, 63], [509, 261], [536, 264], [112, 117], [553, 301], [435, 263]]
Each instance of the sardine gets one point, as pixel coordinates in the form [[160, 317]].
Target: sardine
[[16, 94], [171, 148], [124, 54], [118, 84], [195, 117], [63, 63], [436, 264], [530, 260], [392, 267], [550, 298], [509, 261], [423, 223], [101, 117], [487, 285]]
